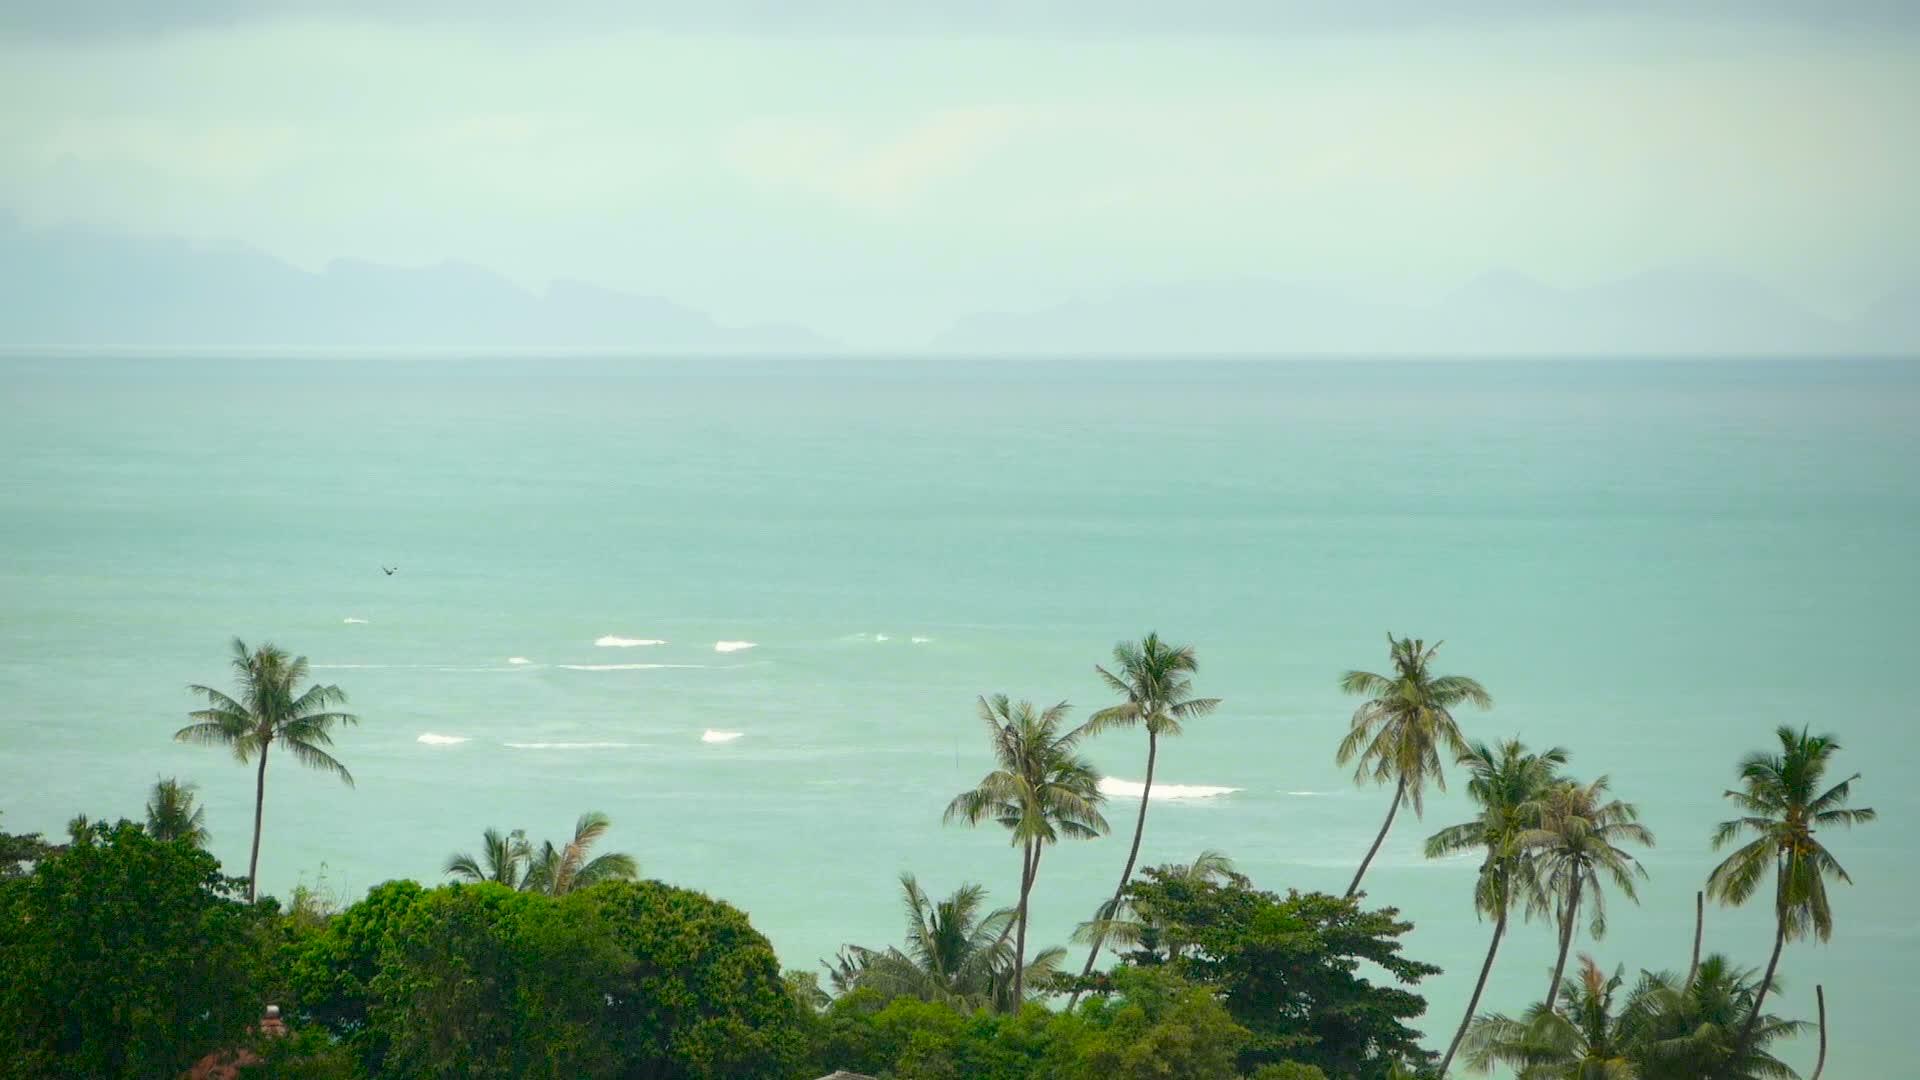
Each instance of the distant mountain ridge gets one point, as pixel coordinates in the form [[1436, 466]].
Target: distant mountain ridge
[[77, 286], [69, 285], [1660, 312]]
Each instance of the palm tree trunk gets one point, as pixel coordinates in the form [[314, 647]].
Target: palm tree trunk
[[1486, 968], [1139, 827], [1399, 793], [1029, 863], [259, 810], [1566, 942], [1699, 924], [1766, 983], [1820, 1063]]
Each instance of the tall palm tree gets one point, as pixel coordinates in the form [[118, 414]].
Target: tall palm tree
[[269, 709], [559, 871], [1153, 678], [1688, 1030], [1576, 840], [1507, 784], [172, 815], [503, 859], [1591, 1041], [1040, 790], [1782, 804], [1405, 725]]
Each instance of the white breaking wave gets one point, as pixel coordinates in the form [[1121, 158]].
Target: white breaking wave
[[613, 641], [1115, 788], [623, 667], [720, 736], [921, 640], [1308, 793], [518, 660], [566, 745], [351, 620], [440, 740], [733, 646], [881, 637]]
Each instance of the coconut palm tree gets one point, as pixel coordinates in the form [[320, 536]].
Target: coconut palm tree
[[1689, 1030], [559, 871], [1586, 1040], [1576, 840], [953, 949], [1153, 678], [503, 859], [269, 709], [172, 815], [1783, 805], [1123, 925], [1404, 727], [1507, 784], [1040, 791]]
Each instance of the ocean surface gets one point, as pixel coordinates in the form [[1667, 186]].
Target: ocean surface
[[1650, 563]]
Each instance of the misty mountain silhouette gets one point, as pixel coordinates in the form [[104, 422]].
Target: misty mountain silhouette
[[1661, 312], [73, 285]]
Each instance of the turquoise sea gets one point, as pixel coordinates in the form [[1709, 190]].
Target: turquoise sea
[[1651, 563]]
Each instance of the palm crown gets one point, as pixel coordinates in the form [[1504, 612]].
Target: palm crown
[[512, 861], [1155, 679], [172, 815], [1783, 804]]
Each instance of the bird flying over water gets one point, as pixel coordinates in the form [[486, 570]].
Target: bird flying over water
[[388, 569]]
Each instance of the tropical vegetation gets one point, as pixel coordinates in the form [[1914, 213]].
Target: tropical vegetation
[[127, 952]]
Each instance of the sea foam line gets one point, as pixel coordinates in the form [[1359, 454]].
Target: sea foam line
[[350, 621], [440, 740], [1116, 788], [614, 641], [733, 646], [712, 736]]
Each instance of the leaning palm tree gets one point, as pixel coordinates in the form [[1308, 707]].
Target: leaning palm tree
[[1153, 678], [1508, 785], [1122, 925], [1782, 802], [1690, 1030], [1040, 791], [268, 709], [172, 815], [1405, 725], [952, 950], [503, 859], [1585, 1040], [559, 871], [1578, 839]]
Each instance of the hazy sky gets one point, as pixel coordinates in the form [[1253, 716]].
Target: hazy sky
[[875, 169]]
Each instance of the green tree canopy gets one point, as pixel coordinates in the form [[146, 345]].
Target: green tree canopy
[[1288, 969], [123, 956]]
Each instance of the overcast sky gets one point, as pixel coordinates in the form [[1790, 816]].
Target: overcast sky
[[875, 169]]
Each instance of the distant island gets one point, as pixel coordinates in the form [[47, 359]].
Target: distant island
[[77, 286]]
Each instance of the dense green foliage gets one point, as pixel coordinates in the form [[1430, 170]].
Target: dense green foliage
[[1290, 970], [123, 956]]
